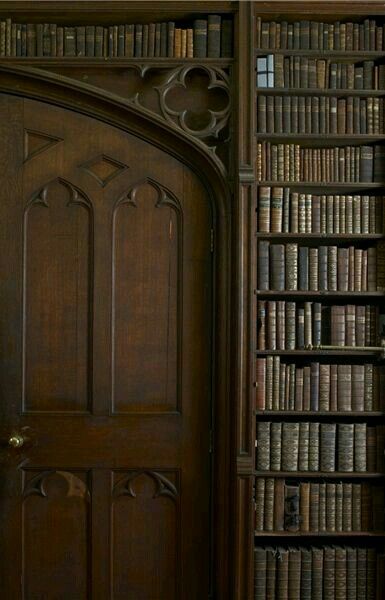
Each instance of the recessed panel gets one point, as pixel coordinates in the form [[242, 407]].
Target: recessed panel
[[146, 285], [57, 300], [55, 535], [145, 535]]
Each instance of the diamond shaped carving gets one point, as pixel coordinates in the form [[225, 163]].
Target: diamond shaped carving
[[104, 168]]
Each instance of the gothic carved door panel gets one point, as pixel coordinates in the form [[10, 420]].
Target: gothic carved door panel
[[105, 376]]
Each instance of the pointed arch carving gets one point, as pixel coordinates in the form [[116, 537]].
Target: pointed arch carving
[[163, 485], [38, 485], [58, 238]]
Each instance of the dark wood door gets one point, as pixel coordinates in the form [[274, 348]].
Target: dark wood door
[[105, 334]]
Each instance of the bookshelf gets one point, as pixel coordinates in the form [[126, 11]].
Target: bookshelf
[[316, 387]]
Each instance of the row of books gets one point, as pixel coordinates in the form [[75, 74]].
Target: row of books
[[318, 386], [279, 71], [211, 37], [323, 447], [324, 268], [313, 35], [318, 507], [320, 114], [345, 164], [317, 573], [287, 325], [282, 211]]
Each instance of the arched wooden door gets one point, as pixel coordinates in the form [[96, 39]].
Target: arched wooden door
[[105, 373]]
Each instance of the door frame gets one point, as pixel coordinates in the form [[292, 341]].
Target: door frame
[[37, 84]]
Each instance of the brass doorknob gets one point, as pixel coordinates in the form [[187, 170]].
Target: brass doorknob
[[16, 441]]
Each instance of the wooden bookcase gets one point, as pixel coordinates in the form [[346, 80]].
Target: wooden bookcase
[[282, 539]]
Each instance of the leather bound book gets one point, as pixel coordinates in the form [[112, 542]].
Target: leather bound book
[[324, 387], [271, 324], [303, 451], [373, 207], [366, 163], [292, 509], [298, 403], [314, 507], [316, 214], [345, 447], [378, 496], [323, 268], [301, 213], [360, 447], [303, 283], [306, 388], [306, 574], [314, 386], [317, 573], [294, 574], [360, 326], [292, 378], [269, 114], [309, 325], [357, 211], [263, 446], [344, 387], [259, 503], [157, 39], [380, 436], [371, 567], [260, 565], [261, 383], [333, 116], [347, 507], [358, 269], [362, 554], [213, 36], [263, 265], [283, 574], [358, 387], [339, 506], [271, 573], [313, 269], [372, 269], [371, 447], [341, 574], [356, 507], [163, 39], [334, 387], [332, 268], [351, 572], [275, 446], [227, 38], [338, 325], [69, 41], [367, 520], [290, 322], [290, 446], [286, 210], [328, 447], [282, 388], [278, 114], [287, 115], [301, 328], [368, 387], [261, 324], [279, 505], [330, 507], [291, 267], [294, 201], [269, 382], [322, 507], [350, 324], [268, 524], [380, 268], [264, 209], [343, 269], [349, 214], [276, 382], [314, 447], [329, 573], [276, 209], [304, 506], [200, 38], [281, 326]]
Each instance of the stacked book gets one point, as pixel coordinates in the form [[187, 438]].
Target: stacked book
[[320, 114], [282, 211], [317, 573], [324, 268], [211, 37], [346, 164], [286, 325], [295, 72], [324, 447], [319, 386], [313, 35], [286, 505]]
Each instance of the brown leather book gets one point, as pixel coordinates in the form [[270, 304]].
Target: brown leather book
[[269, 382], [344, 387], [362, 554], [322, 507], [360, 329], [279, 505], [328, 447], [275, 446], [271, 573], [314, 507], [351, 573], [346, 447], [261, 382], [294, 574], [350, 324], [341, 573], [338, 325], [334, 387], [358, 387], [259, 503], [260, 564], [366, 507], [263, 446], [356, 507], [324, 387], [271, 324], [306, 574], [361, 447], [298, 403], [281, 325], [303, 450], [306, 388], [330, 507], [368, 387], [339, 506], [371, 447], [314, 447], [268, 524], [290, 446], [317, 573], [329, 573], [283, 574], [261, 324]]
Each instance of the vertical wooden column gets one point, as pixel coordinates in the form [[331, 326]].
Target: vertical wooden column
[[244, 307]]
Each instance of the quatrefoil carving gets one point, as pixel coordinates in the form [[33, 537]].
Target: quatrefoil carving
[[196, 98]]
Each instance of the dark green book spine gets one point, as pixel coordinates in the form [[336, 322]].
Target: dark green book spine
[[214, 36], [200, 38]]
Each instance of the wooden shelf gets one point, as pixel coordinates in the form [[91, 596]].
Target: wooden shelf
[[319, 294], [330, 353], [322, 237], [114, 62], [275, 91], [344, 55], [318, 475], [329, 414], [327, 185], [321, 139], [316, 534]]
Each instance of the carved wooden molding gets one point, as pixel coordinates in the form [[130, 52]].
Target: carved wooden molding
[[164, 487], [37, 485]]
